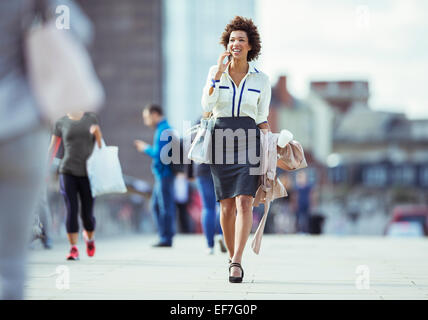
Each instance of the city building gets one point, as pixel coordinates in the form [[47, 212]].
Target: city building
[[381, 149], [309, 119], [342, 95], [191, 36]]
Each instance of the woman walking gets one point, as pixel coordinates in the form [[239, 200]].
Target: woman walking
[[238, 95], [78, 132]]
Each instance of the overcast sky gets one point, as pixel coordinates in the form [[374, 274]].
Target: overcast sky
[[383, 41]]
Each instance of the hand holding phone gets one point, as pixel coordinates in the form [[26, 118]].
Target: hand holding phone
[[222, 66], [229, 57]]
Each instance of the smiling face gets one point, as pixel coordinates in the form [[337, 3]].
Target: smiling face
[[239, 45]]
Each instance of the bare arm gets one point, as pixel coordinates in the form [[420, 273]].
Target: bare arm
[[54, 140], [96, 131], [221, 67]]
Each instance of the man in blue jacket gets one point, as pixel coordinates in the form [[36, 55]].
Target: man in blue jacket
[[163, 205]]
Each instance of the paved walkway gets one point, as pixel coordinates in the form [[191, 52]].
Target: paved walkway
[[288, 267]]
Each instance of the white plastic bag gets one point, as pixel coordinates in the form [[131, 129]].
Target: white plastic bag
[[104, 171], [200, 150]]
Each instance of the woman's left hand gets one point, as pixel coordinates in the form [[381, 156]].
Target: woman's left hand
[[264, 127]]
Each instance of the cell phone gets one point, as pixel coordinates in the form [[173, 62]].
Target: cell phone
[[229, 56]]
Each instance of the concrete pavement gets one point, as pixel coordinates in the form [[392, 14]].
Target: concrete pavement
[[288, 267]]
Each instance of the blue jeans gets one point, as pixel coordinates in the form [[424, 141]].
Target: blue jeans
[[163, 208], [303, 220], [210, 218]]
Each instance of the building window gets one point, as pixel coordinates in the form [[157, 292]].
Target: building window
[[333, 89], [337, 174], [375, 176], [404, 175], [423, 176]]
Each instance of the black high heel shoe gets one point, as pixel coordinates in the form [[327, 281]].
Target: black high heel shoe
[[236, 279]]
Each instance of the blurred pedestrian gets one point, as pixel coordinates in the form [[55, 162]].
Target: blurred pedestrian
[[23, 141], [43, 212], [163, 201], [210, 212], [238, 95], [182, 198], [303, 206], [78, 132], [22, 167]]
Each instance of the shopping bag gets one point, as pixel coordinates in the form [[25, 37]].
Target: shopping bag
[[292, 156], [60, 71], [104, 171], [200, 149]]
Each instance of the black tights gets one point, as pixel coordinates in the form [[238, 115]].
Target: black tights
[[70, 187]]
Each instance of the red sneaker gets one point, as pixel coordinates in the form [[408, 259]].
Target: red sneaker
[[90, 245], [74, 254]]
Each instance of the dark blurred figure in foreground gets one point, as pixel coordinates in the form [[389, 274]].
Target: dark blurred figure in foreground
[[23, 145], [24, 139]]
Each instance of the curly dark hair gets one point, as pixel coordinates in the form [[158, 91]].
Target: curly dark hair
[[243, 24]]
